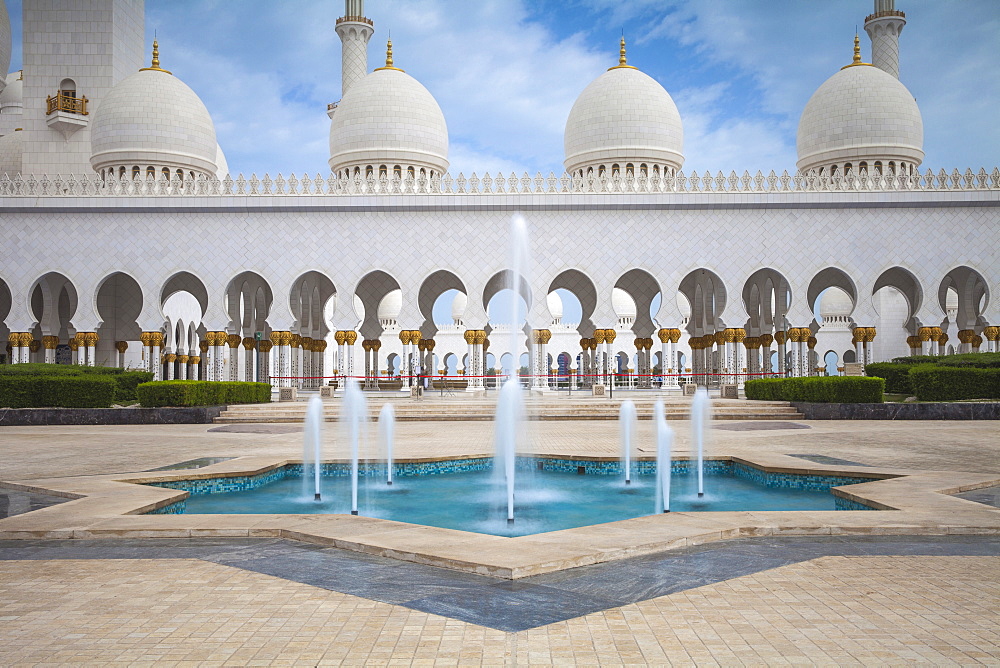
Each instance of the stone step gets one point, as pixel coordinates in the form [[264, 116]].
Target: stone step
[[478, 410]]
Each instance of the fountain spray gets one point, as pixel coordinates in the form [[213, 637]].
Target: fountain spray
[[387, 429], [355, 411], [314, 422], [664, 457], [700, 408], [626, 422]]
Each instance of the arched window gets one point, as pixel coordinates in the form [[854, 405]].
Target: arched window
[[848, 169], [67, 88], [136, 171], [863, 167], [423, 172], [397, 171], [369, 172], [166, 173], [601, 171], [411, 172], [121, 172], [180, 174], [833, 170], [590, 171], [642, 170], [878, 167], [383, 171], [629, 169], [656, 170], [892, 168], [357, 172], [615, 169]]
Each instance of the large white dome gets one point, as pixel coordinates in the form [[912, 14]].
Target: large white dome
[[622, 117], [860, 114], [555, 304], [390, 306], [153, 119], [11, 154], [388, 118]]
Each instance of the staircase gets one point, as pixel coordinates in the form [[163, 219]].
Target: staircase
[[433, 408]]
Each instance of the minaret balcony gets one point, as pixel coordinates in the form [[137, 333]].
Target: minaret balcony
[[354, 19], [67, 103], [66, 114]]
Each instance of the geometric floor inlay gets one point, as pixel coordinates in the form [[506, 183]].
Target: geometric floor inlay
[[500, 604]]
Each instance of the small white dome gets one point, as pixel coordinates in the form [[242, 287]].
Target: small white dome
[[555, 305], [622, 303], [860, 114], [5, 41], [11, 104], [388, 118], [390, 306], [623, 116], [951, 300], [13, 93], [458, 306], [835, 303], [152, 118], [11, 154]]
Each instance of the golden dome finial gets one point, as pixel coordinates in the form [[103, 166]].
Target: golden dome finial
[[155, 66], [388, 58], [622, 60], [857, 53]]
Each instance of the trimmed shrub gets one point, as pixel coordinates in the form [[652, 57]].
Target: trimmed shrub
[[818, 389], [43, 391], [973, 360], [201, 393], [127, 382], [896, 375], [916, 359], [938, 382]]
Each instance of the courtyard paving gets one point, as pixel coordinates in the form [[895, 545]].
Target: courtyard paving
[[871, 600]]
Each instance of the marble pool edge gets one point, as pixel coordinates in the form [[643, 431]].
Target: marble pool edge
[[115, 506]]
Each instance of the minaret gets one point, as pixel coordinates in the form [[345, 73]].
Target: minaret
[[355, 30], [883, 27]]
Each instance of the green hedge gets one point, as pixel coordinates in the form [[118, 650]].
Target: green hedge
[[974, 360], [79, 391], [818, 389], [201, 393], [938, 382], [125, 380], [895, 374], [898, 375]]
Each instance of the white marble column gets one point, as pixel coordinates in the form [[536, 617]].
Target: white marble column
[[171, 359], [182, 367]]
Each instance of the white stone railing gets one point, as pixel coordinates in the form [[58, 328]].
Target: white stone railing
[[94, 186]]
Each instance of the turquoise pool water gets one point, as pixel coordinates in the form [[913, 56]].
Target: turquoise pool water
[[545, 500]]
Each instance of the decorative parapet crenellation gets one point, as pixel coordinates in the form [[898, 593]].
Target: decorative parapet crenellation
[[95, 186]]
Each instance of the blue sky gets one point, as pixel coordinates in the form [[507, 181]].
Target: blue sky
[[506, 72]]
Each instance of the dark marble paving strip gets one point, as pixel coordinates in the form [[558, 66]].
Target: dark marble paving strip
[[15, 502], [501, 604], [826, 459], [987, 495]]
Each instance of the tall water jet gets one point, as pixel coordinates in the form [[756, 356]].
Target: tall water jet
[[312, 445], [354, 413], [510, 400], [664, 457], [700, 417], [510, 413], [387, 434], [626, 423]]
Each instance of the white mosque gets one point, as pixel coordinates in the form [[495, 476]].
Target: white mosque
[[127, 242]]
